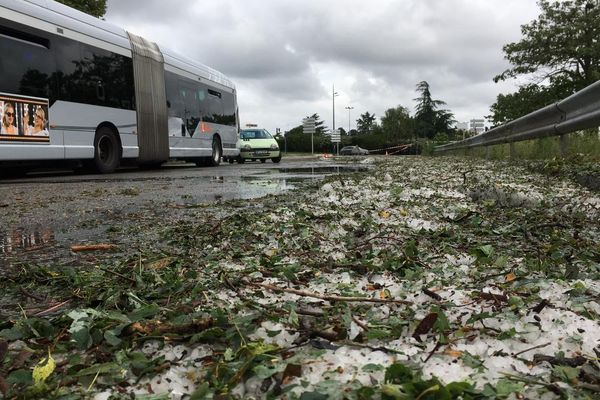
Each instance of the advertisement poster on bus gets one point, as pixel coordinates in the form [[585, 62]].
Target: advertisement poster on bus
[[24, 119]]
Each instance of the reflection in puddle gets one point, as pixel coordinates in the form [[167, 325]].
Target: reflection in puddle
[[25, 239], [334, 169], [284, 179], [276, 184]]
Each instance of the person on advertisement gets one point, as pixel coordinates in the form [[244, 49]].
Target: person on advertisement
[[39, 123], [8, 120], [27, 127]]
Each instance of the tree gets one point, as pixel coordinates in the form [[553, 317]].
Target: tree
[[528, 98], [428, 119], [559, 53], [366, 123], [96, 8], [397, 124]]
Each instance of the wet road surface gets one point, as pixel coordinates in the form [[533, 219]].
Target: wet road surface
[[44, 214]]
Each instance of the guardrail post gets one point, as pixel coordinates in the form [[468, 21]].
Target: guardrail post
[[487, 152], [513, 150], [564, 145]]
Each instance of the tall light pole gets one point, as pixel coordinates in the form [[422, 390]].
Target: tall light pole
[[349, 108], [333, 96]]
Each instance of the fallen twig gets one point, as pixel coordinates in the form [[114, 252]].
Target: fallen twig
[[550, 386], [360, 323], [570, 362], [93, 247], [51, 309], [30, 295], [328, 298], [498, 298], [436, 348], [532, 348]]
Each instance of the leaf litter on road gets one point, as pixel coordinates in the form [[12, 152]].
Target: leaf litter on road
[[429, 278]]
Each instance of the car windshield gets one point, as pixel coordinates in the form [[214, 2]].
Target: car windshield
[[255, 134]]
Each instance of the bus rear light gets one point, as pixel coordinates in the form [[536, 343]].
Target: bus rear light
[[204, 127]]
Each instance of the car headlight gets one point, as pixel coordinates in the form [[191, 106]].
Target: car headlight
[[274, 147], [247, 147]]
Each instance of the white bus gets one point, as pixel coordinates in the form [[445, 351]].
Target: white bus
[[73, 87]]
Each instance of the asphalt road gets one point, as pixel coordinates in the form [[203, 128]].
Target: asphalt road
[[46, 212]]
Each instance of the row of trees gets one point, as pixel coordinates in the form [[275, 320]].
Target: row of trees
[[558, 55], [397, 125]]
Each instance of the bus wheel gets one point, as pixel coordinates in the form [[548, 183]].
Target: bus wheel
[[215, 159], [107, 150]]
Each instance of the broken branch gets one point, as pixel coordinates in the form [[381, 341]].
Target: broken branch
[[303, 293]]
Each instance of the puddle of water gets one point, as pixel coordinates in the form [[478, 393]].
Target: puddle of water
[[25, 240], [329, 170], [270, 183]]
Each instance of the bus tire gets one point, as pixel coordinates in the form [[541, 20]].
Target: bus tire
[[217, 153], [107, 150]]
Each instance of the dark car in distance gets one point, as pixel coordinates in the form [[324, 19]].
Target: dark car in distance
[[353, 151]]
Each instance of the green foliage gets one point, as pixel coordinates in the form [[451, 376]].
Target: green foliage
[[580, 146], [96, 8], [397, 125], [528, 98], [297, 141], [300, 142], [402, 383], [559, 50], [429, 119], [366, 123]]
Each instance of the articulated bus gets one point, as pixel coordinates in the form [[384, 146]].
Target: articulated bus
[[75, 88]]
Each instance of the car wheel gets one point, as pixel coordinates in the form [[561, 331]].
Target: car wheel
[[263, 160], [276, 160]]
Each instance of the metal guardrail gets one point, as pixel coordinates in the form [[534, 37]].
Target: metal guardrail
[[578, 111]]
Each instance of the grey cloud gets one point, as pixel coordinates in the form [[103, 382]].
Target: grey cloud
[[291, 52]]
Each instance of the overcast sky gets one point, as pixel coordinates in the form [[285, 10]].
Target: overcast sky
[[284, 56]]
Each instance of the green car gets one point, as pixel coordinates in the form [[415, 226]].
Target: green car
[[258, 144]]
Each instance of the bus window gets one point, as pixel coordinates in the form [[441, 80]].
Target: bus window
[[94, 76], [192, 115], [27, 64], [215, 106], [228, 109]]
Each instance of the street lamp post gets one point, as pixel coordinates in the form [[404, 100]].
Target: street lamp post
[[349, 108], [334, 94]]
